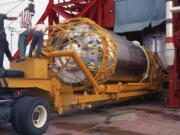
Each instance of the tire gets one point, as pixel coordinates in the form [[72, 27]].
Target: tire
[[16, 113], [25, 110], [35, 117]]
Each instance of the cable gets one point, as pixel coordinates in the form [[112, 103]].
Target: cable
[[8, 3], [11, 11], [16, 6]]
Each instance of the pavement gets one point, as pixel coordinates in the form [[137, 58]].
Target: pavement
[[130, 118]]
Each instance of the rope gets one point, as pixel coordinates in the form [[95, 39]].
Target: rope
[[107, 121], [8, 3], [88, 129]]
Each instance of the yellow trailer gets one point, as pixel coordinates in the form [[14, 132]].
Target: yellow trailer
[[81, 65]]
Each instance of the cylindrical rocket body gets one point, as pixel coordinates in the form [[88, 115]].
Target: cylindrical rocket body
[[132, 61], [107, 56]]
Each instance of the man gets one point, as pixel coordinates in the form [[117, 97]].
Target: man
[[4, 45], [25, 24], [38, 34]]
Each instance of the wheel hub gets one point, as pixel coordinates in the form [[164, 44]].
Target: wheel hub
[[39, 116]]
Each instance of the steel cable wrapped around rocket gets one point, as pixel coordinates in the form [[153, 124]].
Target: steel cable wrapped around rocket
[[107, 56]]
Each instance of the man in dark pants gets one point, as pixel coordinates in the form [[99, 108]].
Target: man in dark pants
[[25, 23], [4, 46], [38, 34]]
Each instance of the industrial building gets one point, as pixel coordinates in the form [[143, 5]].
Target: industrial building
[[105, 67]]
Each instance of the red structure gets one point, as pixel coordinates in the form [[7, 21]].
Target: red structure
[[101, 11], [174, 72]]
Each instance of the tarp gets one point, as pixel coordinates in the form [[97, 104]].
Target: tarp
[[135, 15]]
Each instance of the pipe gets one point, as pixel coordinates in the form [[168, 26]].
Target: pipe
[[175, 9], [77, 59], [169, 47]]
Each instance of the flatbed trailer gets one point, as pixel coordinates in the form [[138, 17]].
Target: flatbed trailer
[[22, 97]]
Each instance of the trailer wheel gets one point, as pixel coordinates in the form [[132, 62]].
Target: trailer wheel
[[34, 116]]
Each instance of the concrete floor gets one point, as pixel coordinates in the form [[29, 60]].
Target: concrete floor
[[141, 118]]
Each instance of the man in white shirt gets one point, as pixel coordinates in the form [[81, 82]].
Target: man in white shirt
[[38, 34]]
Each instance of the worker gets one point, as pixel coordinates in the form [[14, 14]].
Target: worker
[[38, 34], [4, 45], [25, 24]]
